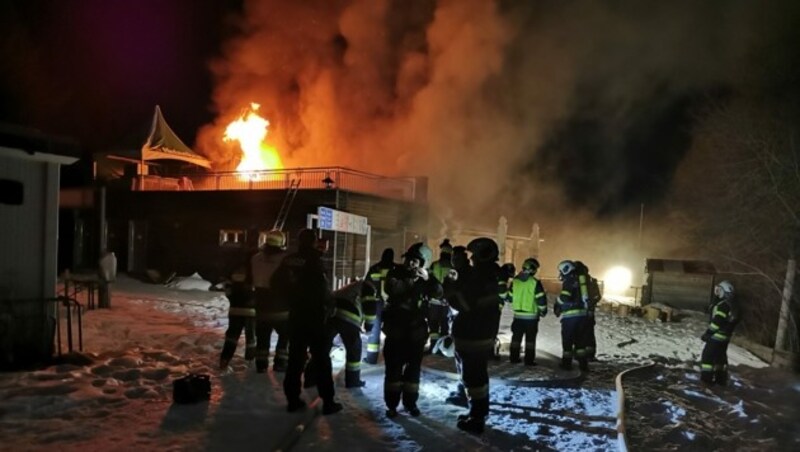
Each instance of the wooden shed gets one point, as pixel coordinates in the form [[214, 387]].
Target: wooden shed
[[683, 284]]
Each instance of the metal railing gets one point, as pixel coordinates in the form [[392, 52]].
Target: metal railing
[[310, 178], [20, 317], [73, 311]]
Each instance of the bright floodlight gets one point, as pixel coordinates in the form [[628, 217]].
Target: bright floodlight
[[617, 280]]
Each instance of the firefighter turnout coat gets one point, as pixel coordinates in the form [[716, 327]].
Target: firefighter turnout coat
[[406, 330], [529, 302], [477, 298]]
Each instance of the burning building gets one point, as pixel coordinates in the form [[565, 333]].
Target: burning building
[[167, 213]]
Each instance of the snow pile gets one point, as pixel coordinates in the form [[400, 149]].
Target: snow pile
[[192, 282]]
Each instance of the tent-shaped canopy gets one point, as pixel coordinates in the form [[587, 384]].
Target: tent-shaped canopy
[[164, 144]]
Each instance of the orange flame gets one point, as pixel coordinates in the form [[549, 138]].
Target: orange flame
[[250, 130]]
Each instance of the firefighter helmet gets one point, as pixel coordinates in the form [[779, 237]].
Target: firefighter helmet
[[565, 268], [726, 288], [508, 270], [419, 251], [446, 345], [531, 265], [483, 249], [306, 238], [446, 247], [387, 256], [276, 239]]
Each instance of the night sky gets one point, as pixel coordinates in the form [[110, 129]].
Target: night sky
[[93, 70], [538, 103]]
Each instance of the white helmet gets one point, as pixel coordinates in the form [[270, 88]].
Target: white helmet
[[446, 345], [565, 268], [725, 287]]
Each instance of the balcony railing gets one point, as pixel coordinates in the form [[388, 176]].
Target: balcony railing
[[310, 178]]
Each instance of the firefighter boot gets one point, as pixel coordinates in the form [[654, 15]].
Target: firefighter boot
[[458, 397], [279, 366], [331, 407], [566, 363], [352, 379], [721, 377], [261, 365], [472, 425], [583, 363], [295, 405], [514, 352]]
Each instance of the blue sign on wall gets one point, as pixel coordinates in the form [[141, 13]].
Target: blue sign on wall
[[336, 220]]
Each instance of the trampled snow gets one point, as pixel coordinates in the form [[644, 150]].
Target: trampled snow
[[119, 396]]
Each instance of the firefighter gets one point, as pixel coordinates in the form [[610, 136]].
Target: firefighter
[[572, 310], [475, 328], [346, 323], [438, 312], [461, 270], [409, 287], [507, 272], [301, 278], [241, 316], [724, 316], [272, 312], [530, 304], [373, 304], [591, 295]]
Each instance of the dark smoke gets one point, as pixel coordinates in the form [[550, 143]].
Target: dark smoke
[[541, 111]]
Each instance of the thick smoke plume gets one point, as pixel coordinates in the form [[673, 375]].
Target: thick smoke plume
[[556, 112]]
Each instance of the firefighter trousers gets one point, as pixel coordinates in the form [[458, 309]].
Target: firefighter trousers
[[714, 362], [237, 323], [403, 359], [303, 339], [527, 328], [591, 339], [374, 330], [573, 341], [351, 338], [264, 329], [474, 359]]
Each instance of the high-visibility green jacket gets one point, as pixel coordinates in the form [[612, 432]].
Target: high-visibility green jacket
[[439, 270], [528, 297]]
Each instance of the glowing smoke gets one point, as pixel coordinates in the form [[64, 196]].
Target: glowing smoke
[[531, 109]]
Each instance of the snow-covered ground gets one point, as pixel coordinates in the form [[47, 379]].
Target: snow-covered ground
[[120, 399]]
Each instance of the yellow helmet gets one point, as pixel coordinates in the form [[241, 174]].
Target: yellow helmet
[[276, 239]]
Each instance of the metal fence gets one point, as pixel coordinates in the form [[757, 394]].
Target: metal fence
[[310, 178]]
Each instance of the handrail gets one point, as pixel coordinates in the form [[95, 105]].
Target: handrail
[[73, 309], [70, 304], [309, 178]]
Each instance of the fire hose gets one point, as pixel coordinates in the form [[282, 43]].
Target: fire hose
[[622, 440]]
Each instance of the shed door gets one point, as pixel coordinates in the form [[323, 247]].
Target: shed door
[[137, 246]]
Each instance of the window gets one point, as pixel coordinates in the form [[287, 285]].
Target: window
[[232, 237]]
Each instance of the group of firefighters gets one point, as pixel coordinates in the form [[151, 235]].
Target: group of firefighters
[[451, 306]]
